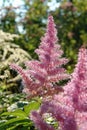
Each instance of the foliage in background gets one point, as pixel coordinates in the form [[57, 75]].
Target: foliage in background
[[34, 23], [32, 19], [71, 20], [7, 20]]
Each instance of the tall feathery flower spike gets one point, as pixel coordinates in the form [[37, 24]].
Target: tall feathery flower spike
[[41, 76], [69, 108]]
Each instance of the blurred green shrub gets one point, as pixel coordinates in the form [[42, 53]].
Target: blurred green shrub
[[71, 22]]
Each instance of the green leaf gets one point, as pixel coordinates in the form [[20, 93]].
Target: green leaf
[[12, 122], [18, 113], [30, 107]]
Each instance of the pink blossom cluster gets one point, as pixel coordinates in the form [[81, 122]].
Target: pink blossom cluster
[[69, 108], [41, 76]]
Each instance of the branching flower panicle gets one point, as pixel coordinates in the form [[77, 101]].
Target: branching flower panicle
[[41, 76]]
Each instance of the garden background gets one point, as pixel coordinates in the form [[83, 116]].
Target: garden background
[[21, 27]]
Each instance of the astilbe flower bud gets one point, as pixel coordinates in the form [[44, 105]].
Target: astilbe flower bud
[[40, 76], [69, 108]]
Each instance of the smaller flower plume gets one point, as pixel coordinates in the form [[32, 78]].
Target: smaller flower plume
[[78, 85], [69, 108], [41, 76], [40, 123]]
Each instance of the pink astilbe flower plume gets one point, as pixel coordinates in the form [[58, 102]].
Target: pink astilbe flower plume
[[69, 108], [41, 76], [78, 85]]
